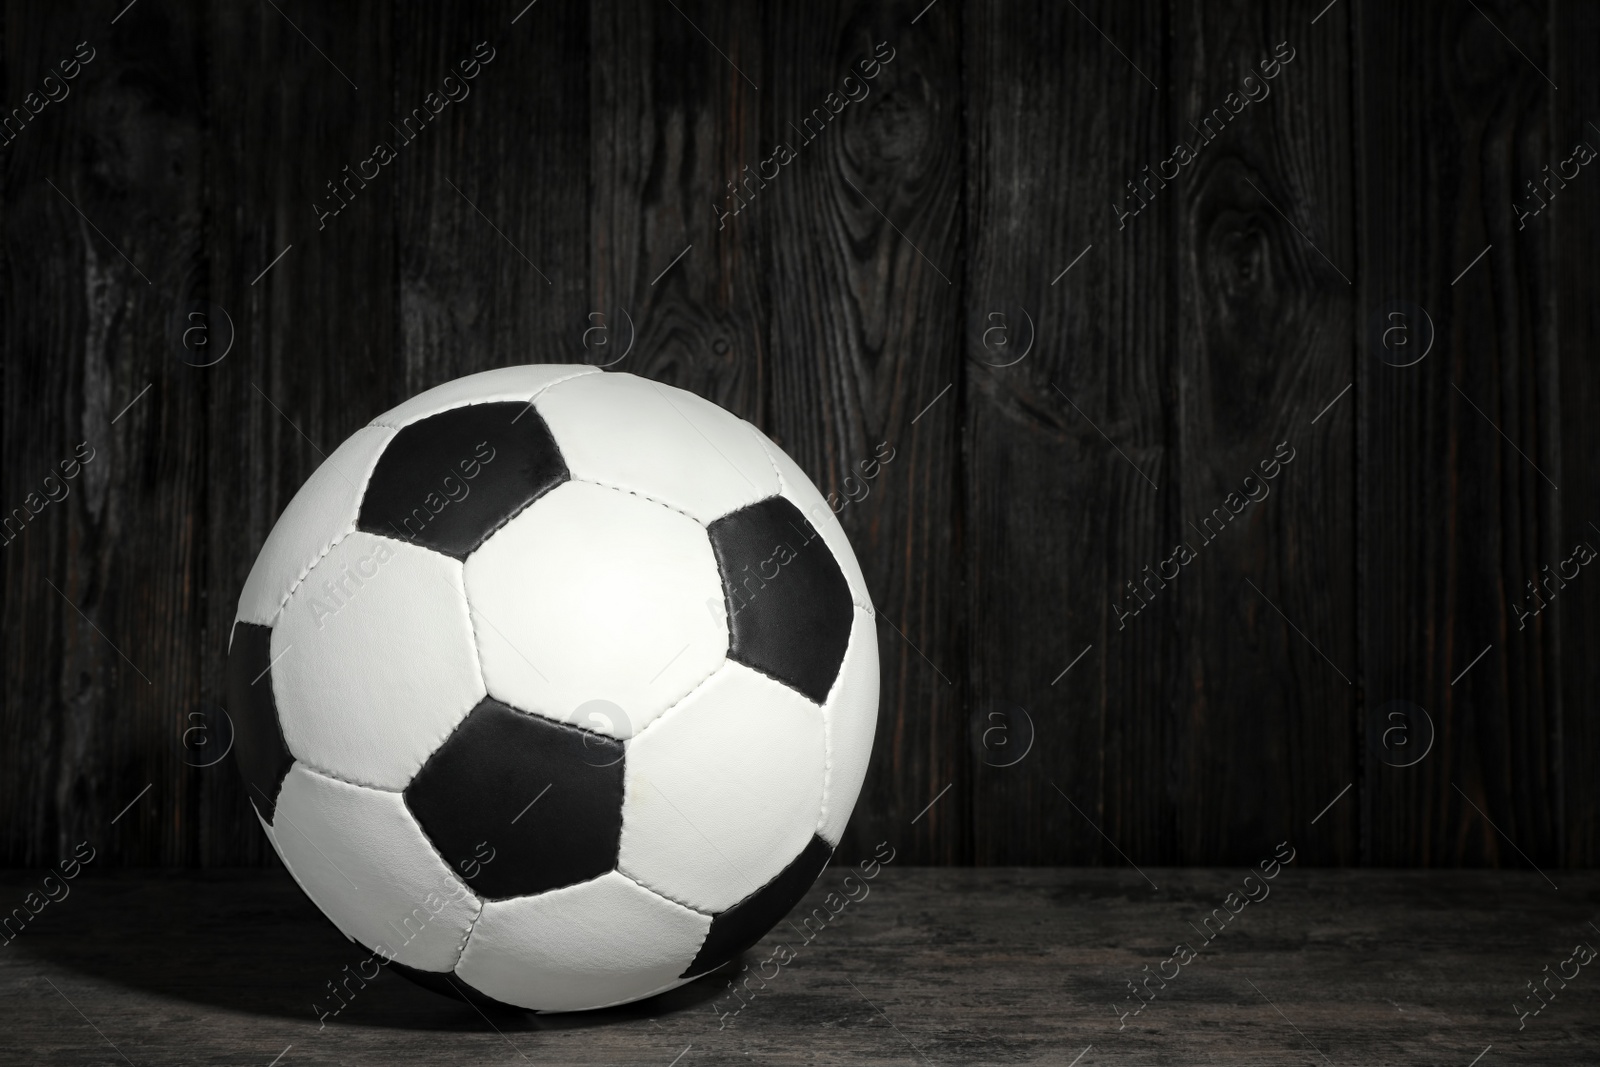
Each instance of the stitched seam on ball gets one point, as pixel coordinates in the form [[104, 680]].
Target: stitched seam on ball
[[471, 926], [324, 772], [366, 477], [762, 441], [473, 403], [590, 369], [827, 745], [456, 407], [662, 893], [652, 889], [818, 704], [827, 732], [641, 496], [434, 848], [306, 573], [822, 709], [701, 684], [477, 653], [451, 871]]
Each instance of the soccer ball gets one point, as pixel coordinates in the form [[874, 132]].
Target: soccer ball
[[555, 686]]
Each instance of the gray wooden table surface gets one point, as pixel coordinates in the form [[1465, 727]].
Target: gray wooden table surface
[[932, 966]]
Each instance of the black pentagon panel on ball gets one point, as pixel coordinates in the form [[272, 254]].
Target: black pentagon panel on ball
[[258, 745], [519, 804], [788, 604], [448, 481], [744, 924]]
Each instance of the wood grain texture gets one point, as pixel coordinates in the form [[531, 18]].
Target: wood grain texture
[[1458, 450], [490, 275], [606, 188], [1264, 732], [1068, 476], [104, 208], [1575, 233], [679, 298], [863, 240], [942, 966]]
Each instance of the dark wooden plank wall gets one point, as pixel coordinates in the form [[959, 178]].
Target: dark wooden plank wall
[[880, 289], [1575, 41]]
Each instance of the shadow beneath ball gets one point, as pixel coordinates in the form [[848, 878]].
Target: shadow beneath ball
[[249, 941], [505, 1016]]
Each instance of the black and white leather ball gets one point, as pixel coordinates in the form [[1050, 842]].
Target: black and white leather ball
[[557, 682]]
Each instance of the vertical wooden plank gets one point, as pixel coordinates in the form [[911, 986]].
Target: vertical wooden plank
[[675, 107], [863, 237], [1266, 270], [1068, 477], [102, 229], [39, 723], [1457, 451], [492, 226], [301, 91], [1574, 235]]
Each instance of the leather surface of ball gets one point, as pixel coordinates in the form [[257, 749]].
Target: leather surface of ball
[[554, 684]]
